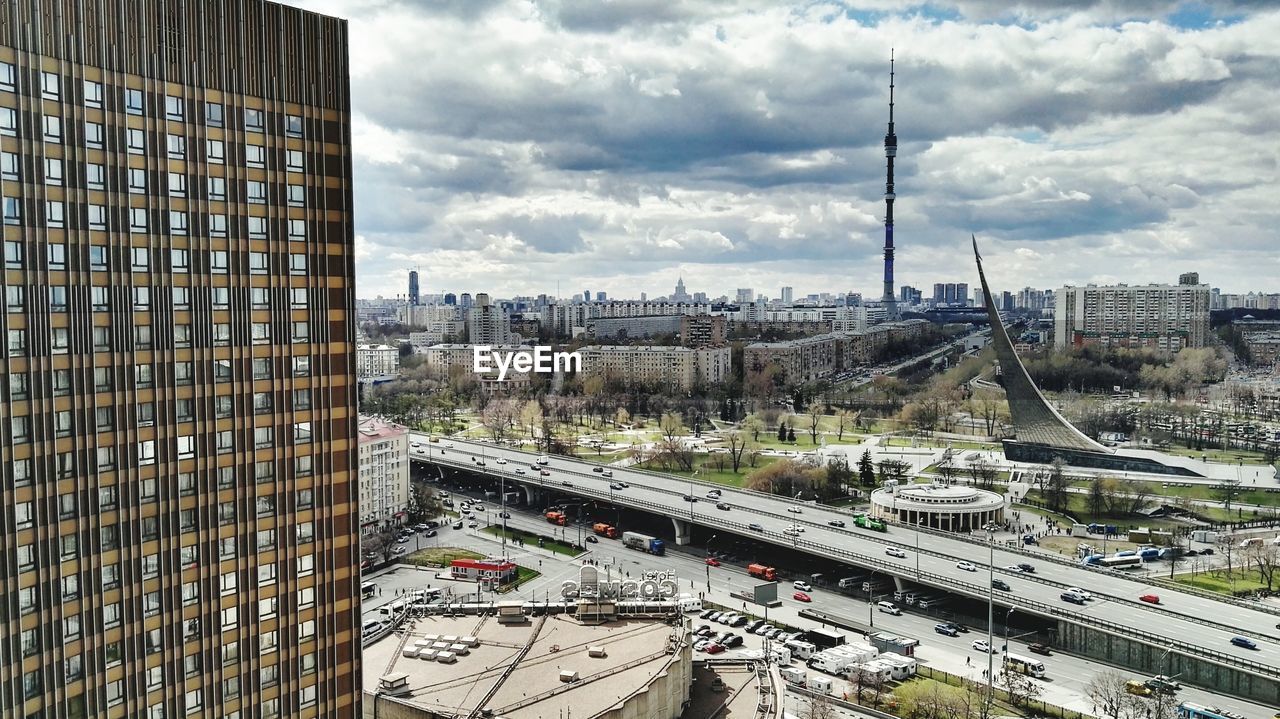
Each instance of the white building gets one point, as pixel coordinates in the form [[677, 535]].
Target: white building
[[433, 324], [489, 324], [377, 360], [571, 320], [1164, 317], [384, 473], [682, 367]]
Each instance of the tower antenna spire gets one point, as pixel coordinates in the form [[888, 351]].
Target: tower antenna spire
[[887, 299]]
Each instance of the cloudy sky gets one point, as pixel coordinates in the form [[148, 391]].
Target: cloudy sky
[[612, 145]]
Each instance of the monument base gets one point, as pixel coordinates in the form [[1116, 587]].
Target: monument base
[[1044, 454]]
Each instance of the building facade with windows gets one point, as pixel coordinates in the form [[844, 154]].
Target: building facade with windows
[[384, 473], [1163, 317], [377, 360], [177, 428], [672, 366]]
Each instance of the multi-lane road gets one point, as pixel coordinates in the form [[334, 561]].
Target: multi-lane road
[[1188, 623]]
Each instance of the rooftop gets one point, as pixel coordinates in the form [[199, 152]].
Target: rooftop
[[372, 428], [636, 651]]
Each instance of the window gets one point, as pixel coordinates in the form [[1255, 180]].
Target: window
[[26, 556], [267, 607], [17, 343], [182, 298], [180, 261], [49, 85], [257, 228], [57, 257], [262, 438], [92, 93], [15, 298], [306, 565], [261, 333], [218, 261], [12, 211], [138, 219], [262, 402], [269, 675], [110, 576], [307, 663], [22, 514], [177, 185], [62, 423], [173, 107], [218, 225], [95, 176], [10, 167], [301, 366], [133, 101], [52, 128], [142, 337], [215, 152], [13, 254], [306, 532], [177, 222], [297, 196], [60, 342], [259, 298], [221, 334], [258, 263], [186, 447], [293, 160], [58, 299], [98, 221], [255, 155], [217, 188], [266, 574], [256, 192], [103, 379], [137, 181], [8, 121], [144, 375], [7, 76], [93, 134], [101, 335], [301, 332], [253, 119], [20, 427], [303, 466], [230, 617], [18, 386], [107, 460], [55, 213], [21, 468], [140, 258], [177, 147], [97, 257], [136, 140], [61, 382], [111, 615], [69, 546], [52, 171], [262, 368], [293, 125], [147, 418], [297, 229]]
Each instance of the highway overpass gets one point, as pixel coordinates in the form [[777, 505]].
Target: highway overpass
[[1188, 633]]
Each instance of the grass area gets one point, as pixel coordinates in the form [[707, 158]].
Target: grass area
[[708, 471], [1222, 582], [529, 538], [439, 556], [1228, 456], [1077, 507]]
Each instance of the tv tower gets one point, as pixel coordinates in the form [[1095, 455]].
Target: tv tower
[[888, 301]]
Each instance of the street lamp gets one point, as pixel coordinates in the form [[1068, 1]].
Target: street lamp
[[708, 564], [991, 575], [919, 524]]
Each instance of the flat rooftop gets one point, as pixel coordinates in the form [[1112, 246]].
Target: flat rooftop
[[636, 651]]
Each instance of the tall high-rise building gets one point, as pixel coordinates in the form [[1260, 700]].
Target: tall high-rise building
[[787, 294], [1166, 317], [413, 288], [680, 295], [746, 295], [179, 431], [602, 297]]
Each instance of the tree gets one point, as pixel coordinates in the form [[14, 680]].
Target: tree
[[531, 417], [782, 431], [893, 469], [1097, 499], [1226, 492], [815, 417], [839, 477], [983, 473], [1265, 557], [380, 542], [621, 417], [947, 468], [424, 504], [819, 707], [738, 443], [1110, 698], [989, 407], [1021, 688], [1056, 494], [844, 420], [497, 417], [753, 425], [866, 470], [791, 434]]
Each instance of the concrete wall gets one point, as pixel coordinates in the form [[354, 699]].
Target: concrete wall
[[1130, 653]]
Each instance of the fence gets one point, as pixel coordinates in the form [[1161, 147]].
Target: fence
[[1036, 707]]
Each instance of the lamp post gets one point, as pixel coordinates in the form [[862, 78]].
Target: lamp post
[[919, 524], [708, 564], [871, 610], [991, 575]]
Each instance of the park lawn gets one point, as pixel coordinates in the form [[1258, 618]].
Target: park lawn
[[1219, 581], [1228, 456], [708, 472], [531, 539], [439, 556], [1076, 507]]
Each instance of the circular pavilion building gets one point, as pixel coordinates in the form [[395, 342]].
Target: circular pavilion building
[[938, 506]]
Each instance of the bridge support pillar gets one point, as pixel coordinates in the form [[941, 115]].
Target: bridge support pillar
[[528, 494], [683, 531]]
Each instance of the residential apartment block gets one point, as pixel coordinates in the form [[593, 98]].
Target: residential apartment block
[[820, 356], [1164, 317], [682, 367], [177, 430], [377, 360], [384, 473]]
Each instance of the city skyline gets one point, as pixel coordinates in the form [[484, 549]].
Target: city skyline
[[617, 145]]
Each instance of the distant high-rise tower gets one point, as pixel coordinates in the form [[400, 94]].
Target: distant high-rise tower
[[413, 288], [787, 295], [680, 295], [890, 151]]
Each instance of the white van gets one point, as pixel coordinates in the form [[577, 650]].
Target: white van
[[833, 664], [889, 608], [793, 675], [689, 603], [801, 650], [543, 459], [1250, 542]]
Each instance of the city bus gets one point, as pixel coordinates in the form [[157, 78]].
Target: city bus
[[1187, 710], [1024, 665], [1120, 562]]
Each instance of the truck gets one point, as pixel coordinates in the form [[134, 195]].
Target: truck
[[858, 652], [849, 582], [866, 522], [557, 517], [793, 675], [605, 530], [760, 571], [1107, 529], [831, 663], [644, 543], [821, 685], [1204, 535], [824, 638], [801, 650]]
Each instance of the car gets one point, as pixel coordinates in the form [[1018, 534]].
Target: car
[[714, 648], [591, 539], [739, 621], [416, 445], [773, 633], [712, 562], [566, 483], [371, 627], [966, 566], [399, 550], [755, 527], [504, 515], [1078, 591], [597, 468], [429, 533], [889, 608], [607, 473], [801, 597], [546, 473], [519, 470], [1071, 597], [1244, 642], [690, 498], [715, 616], [473, 524], [1000, 584], [1029, 569], [753, 625], [836, 523], [794, 509], [797, 528], [478, 507], [701, 645], [702, 631], [1038, 648], [1162, 684], [763, 629], [726, 617], [402, 539], [895, 552], [1014, 568], [791, 532], [706, 614], [1206, 552], [946, 629], [616, 485], [1191, 553], [1133, 686], [1150, 598], [981, 645], [500, 460], [713, 494], [457, 524], [722, 506], [449, 445], [733, 641], [422, 527]]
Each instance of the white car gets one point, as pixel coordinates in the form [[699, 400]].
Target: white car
[[797, 528], [519, 470], [713, 494], [449, 445], [966, 566], [790, 532], [1078, 592], [794, 509], [895, 552], [416, 445], [501, 461], [802, 586], [981, 645]]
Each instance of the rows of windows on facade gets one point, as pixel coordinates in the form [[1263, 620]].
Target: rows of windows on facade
[[41, 119]]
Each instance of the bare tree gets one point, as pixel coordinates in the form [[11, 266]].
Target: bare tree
[[815, 417], [819, 707], [738, 443], [1265, 557], [1021, 688], [1110, 698], [983, 473], [1227, 491]]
